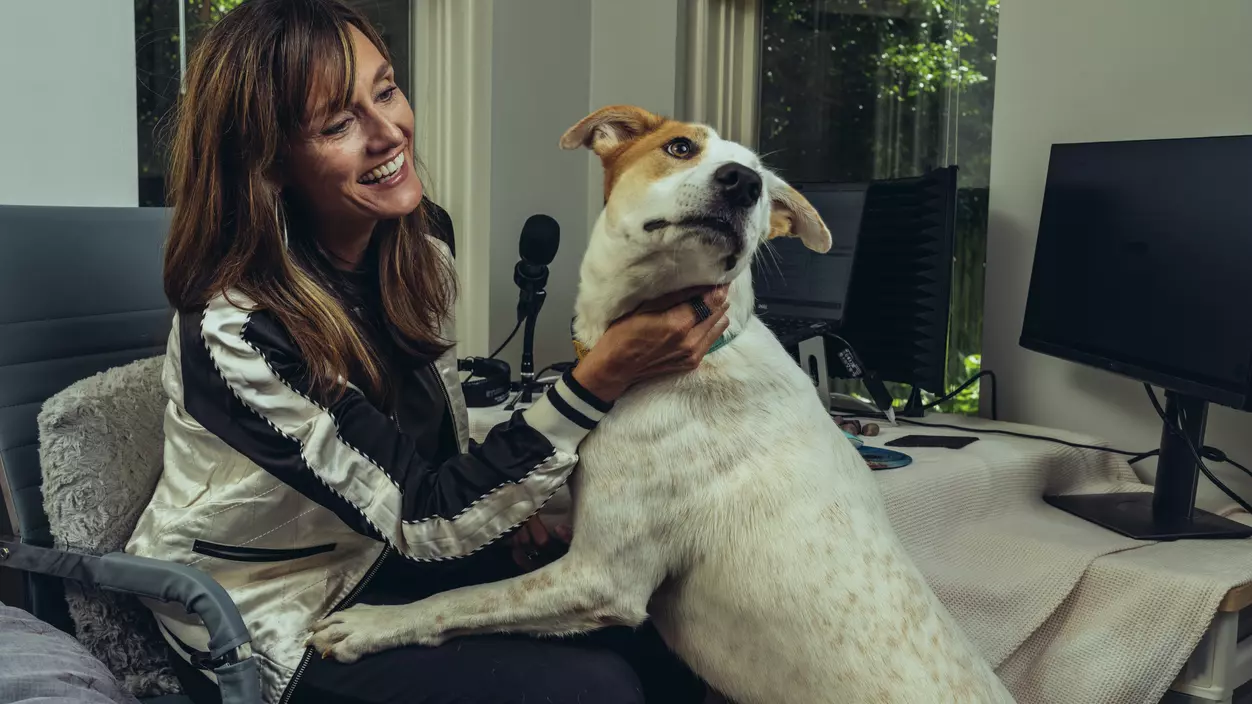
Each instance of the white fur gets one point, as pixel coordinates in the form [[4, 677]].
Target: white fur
[[724, 504]]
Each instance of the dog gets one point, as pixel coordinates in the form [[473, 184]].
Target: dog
[[724, 504]]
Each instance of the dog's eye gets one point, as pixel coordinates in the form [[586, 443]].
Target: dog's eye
[[680, 148]]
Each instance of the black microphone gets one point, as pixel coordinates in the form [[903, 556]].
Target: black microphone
[[541, 236]]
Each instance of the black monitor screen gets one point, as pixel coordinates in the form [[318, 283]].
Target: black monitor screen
[[792, 280], [1143, 263]]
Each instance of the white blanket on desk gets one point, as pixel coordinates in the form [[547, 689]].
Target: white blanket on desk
[[1067, 612]]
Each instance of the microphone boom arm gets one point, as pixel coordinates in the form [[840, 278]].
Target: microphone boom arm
[[528, 344]]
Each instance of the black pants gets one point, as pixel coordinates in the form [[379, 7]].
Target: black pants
[[611, 666]]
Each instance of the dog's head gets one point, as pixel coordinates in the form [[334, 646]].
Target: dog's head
[[683, 206]]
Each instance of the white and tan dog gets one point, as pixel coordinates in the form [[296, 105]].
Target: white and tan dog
[[724, 504]]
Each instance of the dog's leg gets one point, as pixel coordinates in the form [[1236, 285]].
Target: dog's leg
[[572, 595]]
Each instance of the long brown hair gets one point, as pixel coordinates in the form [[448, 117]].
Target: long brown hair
[[247, 90]]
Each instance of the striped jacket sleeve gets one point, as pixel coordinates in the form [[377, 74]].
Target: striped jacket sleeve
[[245, 382]]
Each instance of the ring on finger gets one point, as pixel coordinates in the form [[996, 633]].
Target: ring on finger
[[702, 310]]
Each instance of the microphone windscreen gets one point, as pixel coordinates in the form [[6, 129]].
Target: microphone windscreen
[[541, 235]]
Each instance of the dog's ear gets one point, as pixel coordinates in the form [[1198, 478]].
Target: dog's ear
[[791, 215], [606, 129]]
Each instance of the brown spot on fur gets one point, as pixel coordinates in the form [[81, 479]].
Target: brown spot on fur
[[631, 140], [645, 157], [793, 216], [833, 513], [608, 128], [780, 224], [628, 138]]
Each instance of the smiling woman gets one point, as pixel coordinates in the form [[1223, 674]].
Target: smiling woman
[[167, 33], [348, 159], [316, 446]]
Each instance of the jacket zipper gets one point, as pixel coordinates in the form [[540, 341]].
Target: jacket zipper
[[373, 570], [447, 399], [343, 603], [243, 553]]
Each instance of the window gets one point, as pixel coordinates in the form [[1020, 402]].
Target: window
[[854, 90], [160, 54]]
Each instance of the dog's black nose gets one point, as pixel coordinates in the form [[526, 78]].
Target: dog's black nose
[[741, 186]]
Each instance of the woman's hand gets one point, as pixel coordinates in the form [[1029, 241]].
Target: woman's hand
[[535, 546], [661, 337]]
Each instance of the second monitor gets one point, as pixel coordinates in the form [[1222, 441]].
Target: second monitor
[[797, 288]]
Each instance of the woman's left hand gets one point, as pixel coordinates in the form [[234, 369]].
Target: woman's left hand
[[535, 546]]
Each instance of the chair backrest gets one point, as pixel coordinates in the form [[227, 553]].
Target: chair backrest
[[80, 292]]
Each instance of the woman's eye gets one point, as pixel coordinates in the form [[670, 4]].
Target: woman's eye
[[680, 148], [387, 94], [337, 128]]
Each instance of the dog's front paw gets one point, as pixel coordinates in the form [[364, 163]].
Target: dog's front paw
[[349, 635]]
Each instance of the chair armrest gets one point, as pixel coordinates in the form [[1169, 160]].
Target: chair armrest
[[230, 644]]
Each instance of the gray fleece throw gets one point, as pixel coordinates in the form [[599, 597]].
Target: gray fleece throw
[[100, 448]]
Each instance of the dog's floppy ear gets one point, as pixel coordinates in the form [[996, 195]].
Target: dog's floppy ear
[[608, 128], [791, 215]]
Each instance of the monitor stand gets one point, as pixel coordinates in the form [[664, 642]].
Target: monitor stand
[[1169, 512]]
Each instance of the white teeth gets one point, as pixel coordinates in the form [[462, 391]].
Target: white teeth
[[384, 170]]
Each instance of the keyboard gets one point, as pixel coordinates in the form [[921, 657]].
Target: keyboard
[[793, 331]]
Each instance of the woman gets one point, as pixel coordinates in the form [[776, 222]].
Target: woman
[[316, 451]]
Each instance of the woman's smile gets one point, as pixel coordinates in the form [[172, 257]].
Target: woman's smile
[[388, 173]]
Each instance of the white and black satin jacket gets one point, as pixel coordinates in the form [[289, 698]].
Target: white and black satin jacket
[[292, 501]]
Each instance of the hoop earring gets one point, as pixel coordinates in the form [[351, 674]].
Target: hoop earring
[[282, 223]]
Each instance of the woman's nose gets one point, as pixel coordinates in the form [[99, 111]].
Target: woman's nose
[[386, 134]]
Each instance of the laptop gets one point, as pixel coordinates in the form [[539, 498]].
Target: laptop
[[801, 294]]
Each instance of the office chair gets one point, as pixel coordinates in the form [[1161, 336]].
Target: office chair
[[80, 293]]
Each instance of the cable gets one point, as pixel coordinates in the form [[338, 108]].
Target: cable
[[555, 366], [1237, 466], [507, 340], [1177, 430], [995, 413], [1207, 451], [1028, 436], [997, 431]]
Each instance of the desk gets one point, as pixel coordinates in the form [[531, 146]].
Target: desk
[[1220, 668], [1067, 612]]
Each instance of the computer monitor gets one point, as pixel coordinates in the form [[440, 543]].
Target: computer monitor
[[792, 281], [1141, 268]]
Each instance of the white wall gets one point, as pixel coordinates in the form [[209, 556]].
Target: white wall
[[1089, 70], [635, 53], [67, 85], [551, 63], [540, 78]]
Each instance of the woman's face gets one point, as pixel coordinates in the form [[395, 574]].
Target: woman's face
[[354, 166]]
